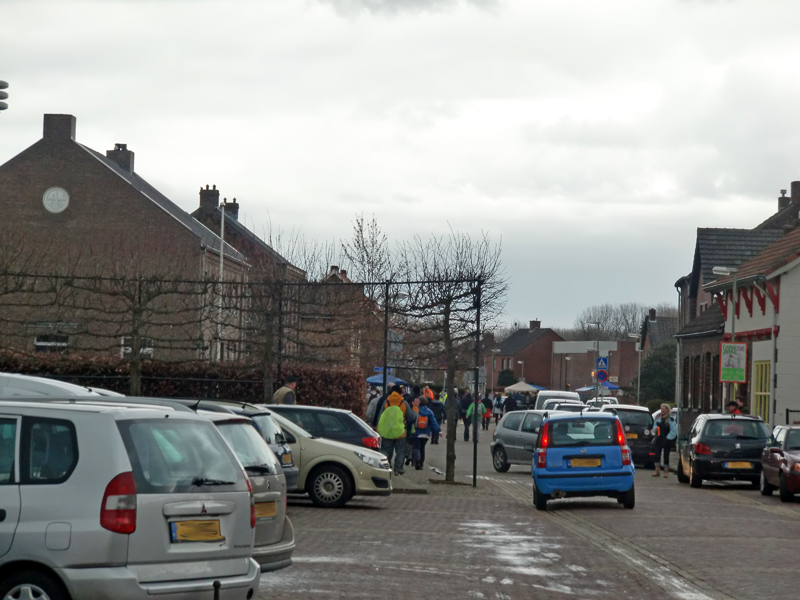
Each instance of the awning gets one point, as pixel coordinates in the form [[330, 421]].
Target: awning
[[378, 380]]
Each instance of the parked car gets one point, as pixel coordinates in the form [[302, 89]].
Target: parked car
[[274, 535], [266, 426], [331, 472], [638, 425], [553, 402], [579, 455], [330, 423], [601, 401], [780, 463], [513, 438], [566, 407], [121, 500], [14, 385], [722, 447], [544, 395]]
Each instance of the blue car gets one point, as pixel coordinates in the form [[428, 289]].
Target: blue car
[[582, 454]]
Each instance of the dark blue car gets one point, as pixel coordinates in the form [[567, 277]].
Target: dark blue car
[[582, 454]]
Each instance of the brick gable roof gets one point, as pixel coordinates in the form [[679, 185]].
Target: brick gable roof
[[522, 338], [707, 323], [661, 331]]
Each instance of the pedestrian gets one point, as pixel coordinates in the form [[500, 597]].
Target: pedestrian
[[372, 409], [424, 429], [465, 405], [438, 410], [734, 407], [394, 419], [510, 404], [487, 415], [473, 413], [497, 408], [665, 429], [286, 394]]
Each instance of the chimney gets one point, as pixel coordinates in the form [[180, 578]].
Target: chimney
[[783, 201], [344, 273], [231, 209], [535, 325], [59, 127], [652, 314], [122, 156], [334, 270], [209, 199], [796, 192]]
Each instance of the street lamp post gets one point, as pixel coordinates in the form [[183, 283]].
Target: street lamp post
[[638, 338], [724, 271], [595, 353], [522, 372], [494, 352], [567, 380]]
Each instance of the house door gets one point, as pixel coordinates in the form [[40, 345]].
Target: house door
[[761, 372]]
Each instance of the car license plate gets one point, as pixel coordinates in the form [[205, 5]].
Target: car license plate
[[195, 531], [266, 510], [584, 462], [286, 459], [632, 436], [738, 465]]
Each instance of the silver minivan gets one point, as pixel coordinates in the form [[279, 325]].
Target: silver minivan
[[102, 500], [545, 395], [514, 438]]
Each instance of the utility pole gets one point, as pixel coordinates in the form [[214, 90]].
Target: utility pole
[[476, 412]]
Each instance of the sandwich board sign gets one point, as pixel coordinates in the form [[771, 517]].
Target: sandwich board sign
[[732, 362]]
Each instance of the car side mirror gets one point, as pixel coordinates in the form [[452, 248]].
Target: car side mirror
[[528, 447], [290, 439]]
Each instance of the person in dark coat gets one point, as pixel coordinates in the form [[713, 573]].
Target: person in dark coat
[[466, 400], [438, 409]]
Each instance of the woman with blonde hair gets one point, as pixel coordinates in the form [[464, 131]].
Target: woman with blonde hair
[[665, 429]]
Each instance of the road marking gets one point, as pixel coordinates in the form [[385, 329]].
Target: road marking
[[677, 582]]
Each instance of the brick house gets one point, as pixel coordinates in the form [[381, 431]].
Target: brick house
[[69, 209], [526, 352], [574, 363]]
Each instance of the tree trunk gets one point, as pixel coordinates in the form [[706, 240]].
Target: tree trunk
[[452, 412]]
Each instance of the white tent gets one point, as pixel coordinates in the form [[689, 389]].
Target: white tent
[[521, 387]]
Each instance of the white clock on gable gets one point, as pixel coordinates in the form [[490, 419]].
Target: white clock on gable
[[56, 199]]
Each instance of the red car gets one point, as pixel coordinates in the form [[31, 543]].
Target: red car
[[780, 463]]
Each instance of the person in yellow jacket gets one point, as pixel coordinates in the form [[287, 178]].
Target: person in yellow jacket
[[396, 415]]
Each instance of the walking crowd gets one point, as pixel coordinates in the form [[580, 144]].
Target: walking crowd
[[407, 420]]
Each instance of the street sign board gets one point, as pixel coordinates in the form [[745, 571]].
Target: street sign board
[[380, 369], [732, 362], [613, 379], [602, 375], [602, 363]]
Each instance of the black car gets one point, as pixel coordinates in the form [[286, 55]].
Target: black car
[[638, 425], [276, 438], [331, 423], [722, 447]]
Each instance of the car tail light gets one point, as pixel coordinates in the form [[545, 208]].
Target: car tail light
[[372, 442], [626, 456], [620, 434], [541, 458], [544, 436], [494, 435], [252, 502], [118, 512], [701, 448]]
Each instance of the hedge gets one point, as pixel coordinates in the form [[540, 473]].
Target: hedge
[[337, 388]]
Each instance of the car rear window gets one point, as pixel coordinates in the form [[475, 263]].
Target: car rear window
[[269, 429], [582, 432], [793, 439], [636, 418], [741, 429], [172, 455], [249, 447]]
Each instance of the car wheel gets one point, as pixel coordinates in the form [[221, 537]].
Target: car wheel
[[628, 499], [32, 585], [783, 491], [500, 461], [330, 487], [539, 499], [766, 487], [682, 477], [694, 477]]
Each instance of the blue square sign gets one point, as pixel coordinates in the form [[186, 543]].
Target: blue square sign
[[602, 362]]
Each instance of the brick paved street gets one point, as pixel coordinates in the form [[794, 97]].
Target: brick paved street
[[459, 542]]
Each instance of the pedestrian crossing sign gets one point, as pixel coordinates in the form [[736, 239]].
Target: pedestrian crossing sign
[[602, 363]]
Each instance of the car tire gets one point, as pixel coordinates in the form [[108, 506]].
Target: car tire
[[33, 584], [682, 477], [783, 490], [765, 486], [540, 499], [329, 486], [500, 460], [628, 499], [695, 480]]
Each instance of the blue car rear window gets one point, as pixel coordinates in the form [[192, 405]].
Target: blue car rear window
[[582, 432]]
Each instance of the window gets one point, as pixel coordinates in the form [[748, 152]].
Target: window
[[8, 450], [532, 423], [513, 420], [50, 451], [635, 417], [780, 437], [736, 429], [304, 419], [331, 423], [761, 389], [145, 347], [792, 439], [583, 432], [269, 429], [50, 343], [249, 447]]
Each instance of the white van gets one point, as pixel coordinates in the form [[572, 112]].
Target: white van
[[545, 395]]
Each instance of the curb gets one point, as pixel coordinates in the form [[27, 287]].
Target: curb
[[409, 491]]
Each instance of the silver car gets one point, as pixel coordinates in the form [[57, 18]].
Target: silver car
[[514, 438], [274, 541], [103, 500]]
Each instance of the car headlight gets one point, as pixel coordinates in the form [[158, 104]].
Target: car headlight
[[372, 461]]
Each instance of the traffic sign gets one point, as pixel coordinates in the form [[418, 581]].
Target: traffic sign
[[602, 375], [602, 362]]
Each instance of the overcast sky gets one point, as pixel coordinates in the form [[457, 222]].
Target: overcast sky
[[592, 137]]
